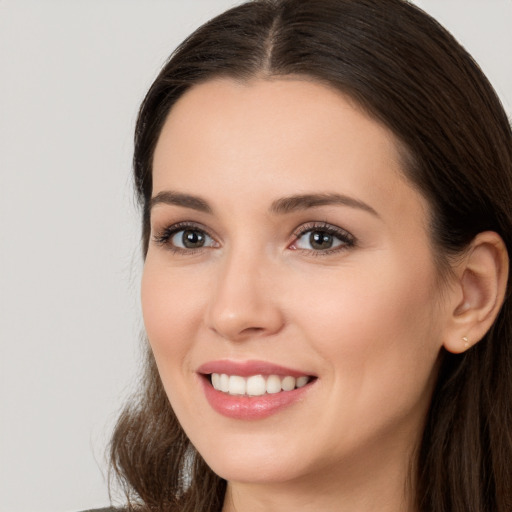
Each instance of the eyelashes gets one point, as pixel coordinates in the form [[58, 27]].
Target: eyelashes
[[316, 238], [185, 237], [321, 238]]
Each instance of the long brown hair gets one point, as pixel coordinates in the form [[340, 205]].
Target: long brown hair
[[411, 75]]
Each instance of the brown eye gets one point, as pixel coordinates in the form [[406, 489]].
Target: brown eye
[[320, 240], [324, 238], [183, 237], [189, 239]]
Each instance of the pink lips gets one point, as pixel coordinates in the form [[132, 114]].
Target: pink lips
[[247, 368], [245, 407]]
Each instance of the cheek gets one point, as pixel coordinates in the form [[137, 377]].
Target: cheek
[[171, 308], [376, 337], [373, 324]]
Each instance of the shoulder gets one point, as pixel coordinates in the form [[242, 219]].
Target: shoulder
[[106, 509]]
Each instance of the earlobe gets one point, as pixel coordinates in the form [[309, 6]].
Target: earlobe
[[481, 282]]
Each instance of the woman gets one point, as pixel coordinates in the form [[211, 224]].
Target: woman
[[327, 219]]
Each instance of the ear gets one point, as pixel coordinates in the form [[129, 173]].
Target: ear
[[481, 283]]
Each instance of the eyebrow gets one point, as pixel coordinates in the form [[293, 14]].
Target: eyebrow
[[280, 206], [179, 199], [305, 201]]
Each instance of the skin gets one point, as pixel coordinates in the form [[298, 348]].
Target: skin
[[368, 319]]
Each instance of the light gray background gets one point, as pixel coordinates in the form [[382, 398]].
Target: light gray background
[[72, 74]]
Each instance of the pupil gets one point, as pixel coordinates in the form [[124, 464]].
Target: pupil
[[320, 240], [193, 239]]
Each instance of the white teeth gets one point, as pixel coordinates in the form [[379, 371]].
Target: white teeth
[[273, 384], [256, 385], [302, 381], [288, 383], [224, 383], [236, 385], [216, 380]]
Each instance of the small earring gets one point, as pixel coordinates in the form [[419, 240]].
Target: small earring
[[466, 341]]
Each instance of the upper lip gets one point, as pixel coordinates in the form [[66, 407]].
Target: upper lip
[[248, 368]]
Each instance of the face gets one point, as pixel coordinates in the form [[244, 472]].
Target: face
[[289, 292]]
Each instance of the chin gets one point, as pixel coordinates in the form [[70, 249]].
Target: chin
[[254, 459], [254, 471]]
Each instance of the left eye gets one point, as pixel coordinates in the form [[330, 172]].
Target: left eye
[[322, 239], [191, 239]]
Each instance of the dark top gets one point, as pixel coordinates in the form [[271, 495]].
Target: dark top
[[107, 509]]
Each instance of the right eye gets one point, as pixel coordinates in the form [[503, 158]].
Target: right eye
[[190, 239], [185, 238]]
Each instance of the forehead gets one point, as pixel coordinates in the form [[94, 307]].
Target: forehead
[[278, 137], [289, 107]]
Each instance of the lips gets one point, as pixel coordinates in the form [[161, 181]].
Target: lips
[[253, 389], [248, 368]]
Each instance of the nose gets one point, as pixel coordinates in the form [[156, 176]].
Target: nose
[[244, 302]]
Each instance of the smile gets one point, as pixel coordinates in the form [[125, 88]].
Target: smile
[[253, 390], [256, 385]]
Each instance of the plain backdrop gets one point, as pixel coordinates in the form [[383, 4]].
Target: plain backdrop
[[72, 75]]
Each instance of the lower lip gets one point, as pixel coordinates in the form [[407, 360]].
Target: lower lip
[[251, 407]]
